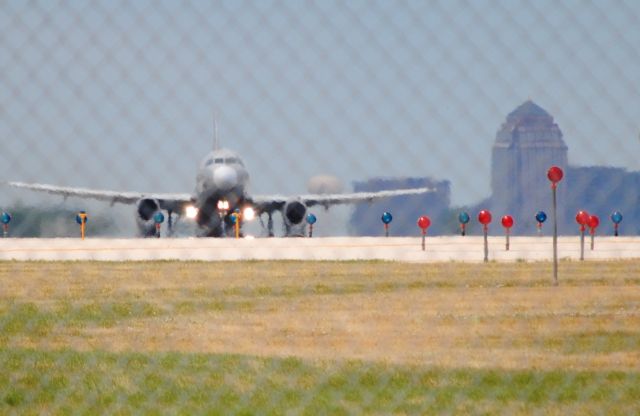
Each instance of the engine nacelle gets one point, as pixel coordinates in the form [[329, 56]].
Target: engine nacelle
[[146, 209], [294, 213]]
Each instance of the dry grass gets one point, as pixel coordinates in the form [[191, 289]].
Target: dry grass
[[445, 315]]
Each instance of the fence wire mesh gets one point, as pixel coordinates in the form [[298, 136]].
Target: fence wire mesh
[[473, 99]]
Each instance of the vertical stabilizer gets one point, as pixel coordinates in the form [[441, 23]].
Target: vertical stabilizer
[[216, 143]]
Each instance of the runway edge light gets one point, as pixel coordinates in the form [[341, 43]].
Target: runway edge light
[[464, 219], [386, 220], [82, 218], [507, 223], [555, 175], [582, 218], [616, 218], [484, 218], [6, 219], [311, 219], [424, 222], [593, 223], [158, 219], [541, 217]]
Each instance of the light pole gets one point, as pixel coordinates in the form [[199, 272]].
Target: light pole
[[81, 218], [507, 223], [555, 175], [6, 219], [484, 218], [424, 222]]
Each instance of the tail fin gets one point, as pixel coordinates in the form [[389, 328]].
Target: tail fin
[[216, 143]]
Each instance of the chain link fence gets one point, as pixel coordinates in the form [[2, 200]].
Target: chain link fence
[[130, 96]]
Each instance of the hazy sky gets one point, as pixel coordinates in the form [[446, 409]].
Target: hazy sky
[[121, 94]]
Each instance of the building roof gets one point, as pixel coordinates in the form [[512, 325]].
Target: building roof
[[528, 110], [530, 125]]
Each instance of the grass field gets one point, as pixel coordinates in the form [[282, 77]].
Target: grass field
[[319, 338]]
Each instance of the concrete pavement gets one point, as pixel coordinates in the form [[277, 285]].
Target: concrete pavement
[[406, 249]]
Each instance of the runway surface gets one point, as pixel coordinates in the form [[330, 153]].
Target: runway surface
[[438, 249]]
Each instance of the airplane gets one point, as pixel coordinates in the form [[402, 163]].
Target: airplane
[[220, 197]]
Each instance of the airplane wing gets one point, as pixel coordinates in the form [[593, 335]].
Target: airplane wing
[[177, 202], [276, 202], [174, 202]]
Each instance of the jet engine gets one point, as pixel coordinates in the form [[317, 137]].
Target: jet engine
[[294, 214], [146, 209]]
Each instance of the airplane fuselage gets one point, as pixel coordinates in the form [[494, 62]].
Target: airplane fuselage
[[221, 188]]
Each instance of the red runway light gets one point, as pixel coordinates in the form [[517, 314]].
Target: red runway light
[[582, 218], [424, 222], [593, 222], [507, 221], [555, 174], [484, 217]]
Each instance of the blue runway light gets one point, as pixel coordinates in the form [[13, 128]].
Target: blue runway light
[[616, 217], [311, 219], [386, 217], [463, 217], [6, 218], [158, 218], [541, 217]]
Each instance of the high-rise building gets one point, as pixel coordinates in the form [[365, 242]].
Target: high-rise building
[[527, 144]]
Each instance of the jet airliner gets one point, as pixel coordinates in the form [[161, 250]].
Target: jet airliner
[[221, 189]]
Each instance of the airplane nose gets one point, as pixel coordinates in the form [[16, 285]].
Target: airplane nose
[[225, 177]]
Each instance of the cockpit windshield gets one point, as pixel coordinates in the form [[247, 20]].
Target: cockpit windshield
[[230, 160], [233, 160]]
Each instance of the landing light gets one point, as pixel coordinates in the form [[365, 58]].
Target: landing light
[[248, 214], [223, 205], [191, 211]]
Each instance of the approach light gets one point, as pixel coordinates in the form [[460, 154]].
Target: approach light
[[191, 212], [248, 214]]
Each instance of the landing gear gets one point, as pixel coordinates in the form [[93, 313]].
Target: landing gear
[[270, 225]]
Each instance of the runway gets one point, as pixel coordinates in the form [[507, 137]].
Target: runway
[[405, 249]]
